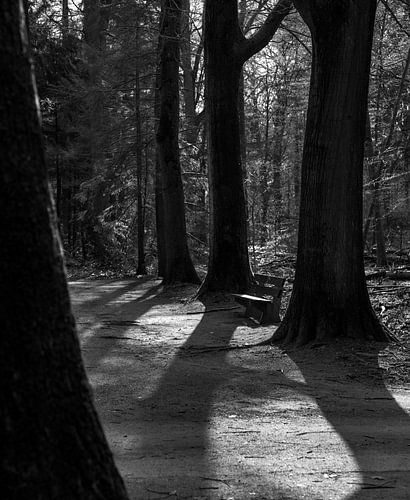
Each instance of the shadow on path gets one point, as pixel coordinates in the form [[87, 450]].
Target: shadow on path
[[101, 296], [112, 314], [176, 452], [349, 389], [179, 411]]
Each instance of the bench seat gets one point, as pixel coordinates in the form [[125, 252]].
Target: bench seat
[[262, 302], [250, 297]]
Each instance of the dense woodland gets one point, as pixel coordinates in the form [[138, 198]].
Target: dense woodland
[[227, 137], [98, 79], [198, 142]]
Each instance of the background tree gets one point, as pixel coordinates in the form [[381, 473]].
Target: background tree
[[272, 124], [53, 445], [178, 263], [385, 169]]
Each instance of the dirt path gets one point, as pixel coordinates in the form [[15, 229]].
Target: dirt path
[[237, 424]]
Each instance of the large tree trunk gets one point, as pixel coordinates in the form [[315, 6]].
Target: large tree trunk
[[226, 50], [178, 263], [229, 262], [330, 297], [53, 445]]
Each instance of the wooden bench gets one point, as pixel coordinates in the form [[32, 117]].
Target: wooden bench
[[262, 303]]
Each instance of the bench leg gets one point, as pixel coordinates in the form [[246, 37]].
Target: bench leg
[[271, 314], [257, 313]]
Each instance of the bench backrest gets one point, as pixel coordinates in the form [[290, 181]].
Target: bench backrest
[[271, 286]]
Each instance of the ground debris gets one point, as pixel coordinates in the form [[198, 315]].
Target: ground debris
[[214, 479], [375, 486], [194, 350], [165, 493], [213, 310]]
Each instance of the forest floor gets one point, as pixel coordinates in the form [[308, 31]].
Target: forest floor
[[188, 417]]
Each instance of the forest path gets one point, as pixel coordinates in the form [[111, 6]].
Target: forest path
[[262, 422]]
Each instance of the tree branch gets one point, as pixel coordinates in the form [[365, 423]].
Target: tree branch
[[249, 47]]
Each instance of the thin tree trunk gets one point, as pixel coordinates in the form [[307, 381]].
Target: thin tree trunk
[[53, 445], [141, 268], [374, 177], [58, 169], [367, 223], [264, 184], [330, 297], [64, 18], [179, 267], [279, 122], [159, 201], [94, 26], [192, 123], [296, 163]]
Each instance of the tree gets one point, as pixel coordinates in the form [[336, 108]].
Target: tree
[[95, 20], [329, 296], [141, 268], [53, 445], [178, 263], [226, 50], [190, 74]]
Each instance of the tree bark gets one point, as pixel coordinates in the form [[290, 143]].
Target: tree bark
[[265, 182], [329, 297], [159, 220], [178, 263], [53, 445], [279, 124], [228, 267], [95, 21], [141, 268], [64, 17], [159, 202], [226, 50], [191, 117]]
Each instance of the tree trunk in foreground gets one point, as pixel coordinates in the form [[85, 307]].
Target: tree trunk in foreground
[[226, 50], [52, 442], [178, 263], [329, 296]]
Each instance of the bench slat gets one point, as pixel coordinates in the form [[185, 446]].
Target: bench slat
[[271, 280], [255, 298], [272, 291]]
